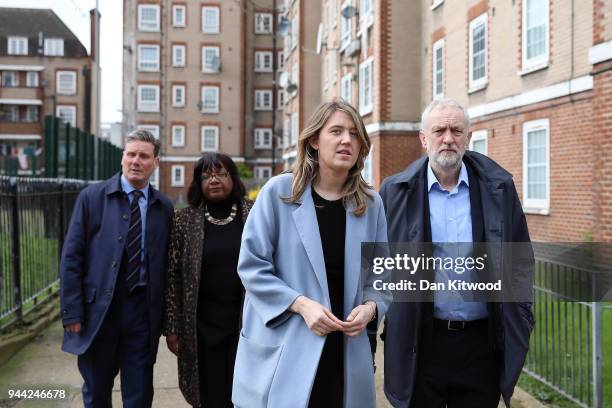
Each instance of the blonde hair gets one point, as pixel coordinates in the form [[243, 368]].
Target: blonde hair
[[306, 167]]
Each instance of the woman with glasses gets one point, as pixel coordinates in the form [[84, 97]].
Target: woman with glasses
[[204, 294], [303, 342]]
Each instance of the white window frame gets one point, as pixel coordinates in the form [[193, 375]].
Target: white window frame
[[479, 136], [215, 29], [217, 51], [148, 26], [54, 47], [346, 28], [294, 129], [14, 75], [479, 83], [70, 108], [437, 45], [177, 181], [280, 101], [178, 62], [295, 32], [145, 106], [260, 25], [203, 130], [67, 91], [366, 13], [286, 132], [260, 59], [260, 98], [259, 172], [32, 79], [176, 22], [148, 66], [153, 129], [540, 61], [215, 90], [17, 45], [346, 88], [366, 100], [259, 138], [178, 135], [532, 205], [178, 102], [32, 113]]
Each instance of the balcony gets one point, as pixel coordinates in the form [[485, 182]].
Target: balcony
[[27, 129], [21, 95]]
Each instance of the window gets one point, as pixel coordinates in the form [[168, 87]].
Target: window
[[211, 62], [178, 16], [32, 79], [438, 68], [148, 17], [178, 96], [17, 45], [366, 98], [346, 88], [535, 34], [148, 98], [263, 100], [294, 128], [54, 47], [295, 32], [263, 23], [367, 172], [280, 62], [31, 113], [478, 142], [178, 176], [280, 99], [210, 138], [178, 135], [148, 58], [478, 52], [366, 13], [262, 172], [210, 20], [286, 132], [263, 61], [178, 55], [295, 74], [10, 79], [67, 114], [153, 129], [345, 28], [536, 171], [210, 99], [263, 138], [66, 82]]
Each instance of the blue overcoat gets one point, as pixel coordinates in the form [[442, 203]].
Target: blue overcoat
[[91, 258], [281, 257]]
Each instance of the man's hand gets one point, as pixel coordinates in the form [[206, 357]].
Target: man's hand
[[172, 341], [73, 327], [359, 318], [319, 319]]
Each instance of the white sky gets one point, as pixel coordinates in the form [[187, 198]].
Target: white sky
[[75, 14]]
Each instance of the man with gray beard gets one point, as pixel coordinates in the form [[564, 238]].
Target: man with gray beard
[[453, 354]]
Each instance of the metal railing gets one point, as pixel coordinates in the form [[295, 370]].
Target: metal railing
[[34, 217], [565, 349]]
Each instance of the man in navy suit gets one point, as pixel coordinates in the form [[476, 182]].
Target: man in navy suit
[[112, 273], [455, 354]]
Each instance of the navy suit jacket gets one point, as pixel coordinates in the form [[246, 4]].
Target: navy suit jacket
[[92, 254], [497, 216]]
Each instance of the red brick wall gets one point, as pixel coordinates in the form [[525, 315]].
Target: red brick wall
[[176, 194], [573, 142], [393, 152]]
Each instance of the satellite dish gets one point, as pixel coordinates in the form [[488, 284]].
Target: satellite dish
[[348, 12], [283, 26], [283, 80], [291, 88], [320, 39]]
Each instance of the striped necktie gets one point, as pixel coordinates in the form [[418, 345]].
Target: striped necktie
[[134, 239]]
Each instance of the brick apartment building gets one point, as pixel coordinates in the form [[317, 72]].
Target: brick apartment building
[[201, 77], [44, 70]]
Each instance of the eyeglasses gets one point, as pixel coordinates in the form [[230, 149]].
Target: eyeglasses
[[220, 176]]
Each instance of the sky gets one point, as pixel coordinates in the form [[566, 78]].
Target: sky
[[75, 14]]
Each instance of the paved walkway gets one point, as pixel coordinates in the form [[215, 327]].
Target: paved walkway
[[41, 365]]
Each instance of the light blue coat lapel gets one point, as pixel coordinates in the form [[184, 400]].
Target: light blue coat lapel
[[305, 218], [356, 233]]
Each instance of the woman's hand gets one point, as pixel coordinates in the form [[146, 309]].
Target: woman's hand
[[172, 341], [318, 318], [359, 318]]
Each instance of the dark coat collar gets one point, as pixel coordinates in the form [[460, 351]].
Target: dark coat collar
[[113, 186]]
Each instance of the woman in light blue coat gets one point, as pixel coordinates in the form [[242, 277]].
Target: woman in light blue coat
[[307, 305]]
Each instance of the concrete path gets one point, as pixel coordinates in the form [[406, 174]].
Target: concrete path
[[41, 365]]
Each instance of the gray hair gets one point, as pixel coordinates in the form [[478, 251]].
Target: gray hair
[[142, 135], [444, 103]]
